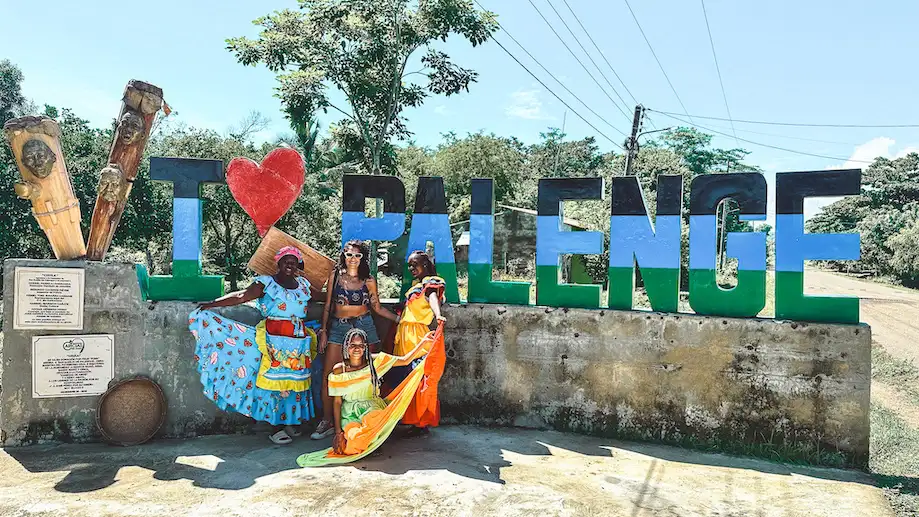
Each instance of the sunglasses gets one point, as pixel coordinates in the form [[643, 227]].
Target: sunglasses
[[349, 254]]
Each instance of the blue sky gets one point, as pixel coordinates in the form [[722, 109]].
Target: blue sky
[[817, 61]]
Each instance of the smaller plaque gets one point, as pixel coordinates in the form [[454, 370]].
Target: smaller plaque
[[48, 298], [72, 366]]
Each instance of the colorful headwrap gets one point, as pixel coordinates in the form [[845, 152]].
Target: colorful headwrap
[[288, 250]]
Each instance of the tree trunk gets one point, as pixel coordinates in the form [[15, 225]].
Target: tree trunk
[[149, 256], [36, 146], [232, 270], [139, 106], [378, 212]]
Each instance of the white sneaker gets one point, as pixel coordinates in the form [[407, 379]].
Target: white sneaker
[[323, 430]]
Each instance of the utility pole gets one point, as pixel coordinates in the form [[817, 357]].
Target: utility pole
[[559, 150], [631, 145]]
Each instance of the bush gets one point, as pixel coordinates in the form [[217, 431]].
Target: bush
[[904, 263]]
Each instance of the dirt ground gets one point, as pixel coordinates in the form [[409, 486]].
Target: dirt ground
[[454, 471], [892, 312]]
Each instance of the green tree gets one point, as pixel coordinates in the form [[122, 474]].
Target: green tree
[[904, 262], [477, 156], [363, 49], [11, 98], [888, 205], [21, 235]]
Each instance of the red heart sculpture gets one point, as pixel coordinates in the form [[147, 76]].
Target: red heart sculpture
[[267, 191]]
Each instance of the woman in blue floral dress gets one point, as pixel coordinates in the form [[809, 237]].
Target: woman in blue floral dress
[[263, 371]]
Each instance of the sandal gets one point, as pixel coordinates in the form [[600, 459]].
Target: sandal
[[293, 431], [280, 438]]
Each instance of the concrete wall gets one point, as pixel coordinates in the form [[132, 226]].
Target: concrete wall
[[151, 338], [670, 377]]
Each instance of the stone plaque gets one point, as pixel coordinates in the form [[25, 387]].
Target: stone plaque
[[72, 366], [48, 298]]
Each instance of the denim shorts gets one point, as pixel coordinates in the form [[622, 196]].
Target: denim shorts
[[338, 327]]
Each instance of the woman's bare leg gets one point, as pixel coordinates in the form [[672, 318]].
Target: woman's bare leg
[[332, 357]]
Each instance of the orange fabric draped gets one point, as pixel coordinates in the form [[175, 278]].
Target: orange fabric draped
[[424, 409], [418, 393]]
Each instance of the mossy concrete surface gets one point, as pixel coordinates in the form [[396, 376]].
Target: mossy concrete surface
[[789, 390]]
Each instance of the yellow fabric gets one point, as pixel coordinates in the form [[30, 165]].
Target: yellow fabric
[[408, 335], [356, 385], [416, 320], [418, 310], [261, 339], [314, 343]]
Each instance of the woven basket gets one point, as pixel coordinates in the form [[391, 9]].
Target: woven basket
[[131, 411]]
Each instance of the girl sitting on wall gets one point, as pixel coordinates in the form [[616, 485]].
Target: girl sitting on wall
[[262, 372]]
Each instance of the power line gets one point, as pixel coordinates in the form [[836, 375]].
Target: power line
[[798, 124], [511, 36], [656, 59], [717, 68], [557, 35], [795, 151], [775, 135], [556, 96], [634, 100], [578, 41]]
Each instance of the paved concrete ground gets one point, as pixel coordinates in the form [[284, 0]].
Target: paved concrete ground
[[454, 471]]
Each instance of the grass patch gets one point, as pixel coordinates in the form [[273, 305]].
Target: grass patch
[[900, 374], [894, 462]]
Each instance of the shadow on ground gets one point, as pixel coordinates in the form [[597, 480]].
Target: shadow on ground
[[236, 462]]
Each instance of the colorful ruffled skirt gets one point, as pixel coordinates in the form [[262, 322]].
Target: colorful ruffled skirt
[[228, 360]]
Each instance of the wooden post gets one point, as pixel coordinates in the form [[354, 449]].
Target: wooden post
[[36, 144], [138, 109]]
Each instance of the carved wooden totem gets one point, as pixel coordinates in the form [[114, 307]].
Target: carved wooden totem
[[36, 145], [140, 104]]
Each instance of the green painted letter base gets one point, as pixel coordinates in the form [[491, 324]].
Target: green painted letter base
[[792, 304], [482, 289], [186, 283], [549, 292], [746, 300], [662, 286]]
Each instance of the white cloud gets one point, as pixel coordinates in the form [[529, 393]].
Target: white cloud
[[861, 158], [867, 152], [442, 110], [527, 105]]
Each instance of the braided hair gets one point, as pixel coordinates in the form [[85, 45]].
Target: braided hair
[[349, 336]]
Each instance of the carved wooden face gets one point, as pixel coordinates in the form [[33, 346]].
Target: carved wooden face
[[131, 128], [110, 183], [38, 158]]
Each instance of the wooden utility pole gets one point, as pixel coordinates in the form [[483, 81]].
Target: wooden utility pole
[[559, 150], [631, 145], [139, 106]]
